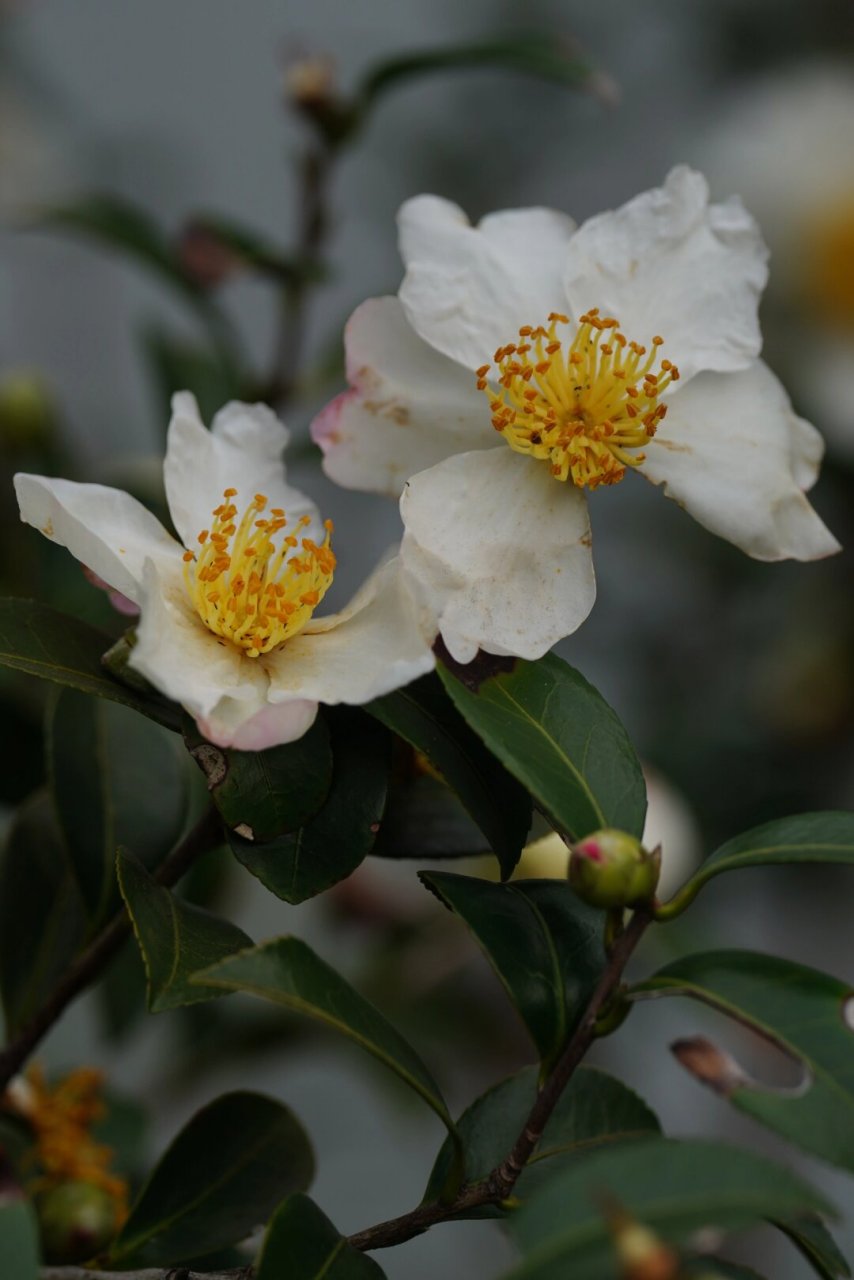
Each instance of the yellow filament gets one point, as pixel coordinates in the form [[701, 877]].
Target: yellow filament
[[248, 589], [582, 408]]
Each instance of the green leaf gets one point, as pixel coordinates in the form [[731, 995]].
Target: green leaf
[[288, 972], [42, 921], [19, 1239], [594, 1108], [175, 937], [804, 838], [545, 945], [424, 819], [302, 1244], [262, 794], [115, 778], [177, 365], [224, 1173], [328, 847], [560, 738], [675, 1188], [44, 642], [801, 1010], [529, 53], [812, 1238], [422, 714]]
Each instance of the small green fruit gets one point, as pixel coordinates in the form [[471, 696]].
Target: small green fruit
[[612, 869], [77, 1220]]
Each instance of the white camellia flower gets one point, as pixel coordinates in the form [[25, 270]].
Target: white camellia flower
[[807, 212], [569, 345], [226, 620]]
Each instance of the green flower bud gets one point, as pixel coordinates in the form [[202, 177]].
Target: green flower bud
[[612, 869], [77, 1220], [26, 413]]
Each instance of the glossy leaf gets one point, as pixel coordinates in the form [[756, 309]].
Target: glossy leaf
[[115, 778], [529, 53], [424, 819], [544, 943], [43, 642], [805, 838], [265, 793], [675, 1188], [302, 863], [288, 972], [594, 1108], [425, 717], [803, 1011], [812, 1238], [302, 1244], [559, 737], [175, 937], [42, 921], [224, 1173], [19, 1239]]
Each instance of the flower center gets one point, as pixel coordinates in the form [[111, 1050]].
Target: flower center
[[247, 588], [580, 407], [828, 278]]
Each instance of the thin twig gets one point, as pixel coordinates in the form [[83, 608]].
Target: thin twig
[[90, 964], [498, 1184]]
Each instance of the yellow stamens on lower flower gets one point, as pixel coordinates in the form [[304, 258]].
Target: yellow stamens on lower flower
[[248, 589], [583, 408]]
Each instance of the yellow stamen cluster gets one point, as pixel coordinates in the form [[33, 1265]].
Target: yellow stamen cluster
[[582, 407], [247, 589], [61, 1118]]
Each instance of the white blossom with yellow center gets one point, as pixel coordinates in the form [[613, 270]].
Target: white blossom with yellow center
[[227, 620], [527, 361]]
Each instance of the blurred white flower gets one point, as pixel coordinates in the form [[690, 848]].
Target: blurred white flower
[[785, 145], [663, 295], [226, 620]]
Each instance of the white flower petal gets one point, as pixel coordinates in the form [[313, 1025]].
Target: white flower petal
[[186, 662], [269, 727], [500, 551], [107, 530], [243, 450], [670, 263], [371, 647], [409, 406], [732, 452], [468, 289]]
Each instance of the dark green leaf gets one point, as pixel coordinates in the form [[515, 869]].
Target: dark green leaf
[[424, 819], [42, 922], [262, 794], [330, 845], [289, 973], [594, 1108], [806, 837], [424, 716], [115, 778], [176, 938], [177, 365], [44, 642], [560, 738], [674, 1188], [224, 1173], [19, 1239], [803, 1011], [530, 53], [544, 943], [302, 1244], [812, 1238]]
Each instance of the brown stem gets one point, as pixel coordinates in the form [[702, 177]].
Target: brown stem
[[498, 1184], [90, 964]]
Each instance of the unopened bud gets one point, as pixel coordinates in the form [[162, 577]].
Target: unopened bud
[[205, 256], [310, 81], [26, 413], [612, 869], [77, 1220]]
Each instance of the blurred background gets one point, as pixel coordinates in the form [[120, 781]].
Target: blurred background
[[735, 679]]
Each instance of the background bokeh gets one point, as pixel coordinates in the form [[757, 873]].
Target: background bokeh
[[736, 679]]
